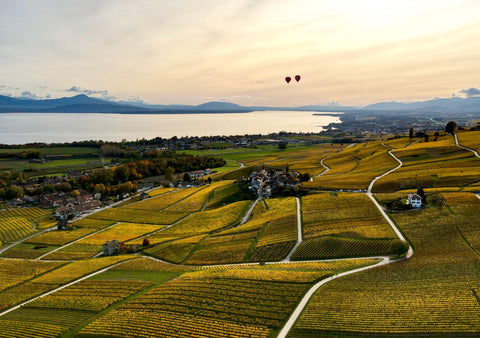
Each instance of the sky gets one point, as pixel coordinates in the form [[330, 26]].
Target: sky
[[348, 52]]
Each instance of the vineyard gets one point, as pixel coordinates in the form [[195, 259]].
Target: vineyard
[[354, 167], [18, 223], [245, 302], [432, 164], [343, 214], [470, 140], [439, 283], [199, 272]]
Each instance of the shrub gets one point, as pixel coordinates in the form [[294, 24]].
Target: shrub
[[398, 247]]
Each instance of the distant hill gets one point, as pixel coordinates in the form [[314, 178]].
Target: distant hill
[[454, 104], [85, 104]]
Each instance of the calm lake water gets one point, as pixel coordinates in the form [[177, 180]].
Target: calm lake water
[[19, 128]]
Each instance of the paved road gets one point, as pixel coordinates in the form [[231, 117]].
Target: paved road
[[299, 231], [384, 260], [323, 165], [60, 288], [296, 313], [466, 148]]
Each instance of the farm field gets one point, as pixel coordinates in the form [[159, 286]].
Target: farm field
[[248, 301], [439, 283], [354, 167], [470, 140], [432, 164], [203, 273], [18, 223]]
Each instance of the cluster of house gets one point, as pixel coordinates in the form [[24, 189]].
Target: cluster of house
[[79, 205], [265, 182]]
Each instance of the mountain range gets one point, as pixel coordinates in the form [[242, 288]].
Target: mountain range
[[85, 104]]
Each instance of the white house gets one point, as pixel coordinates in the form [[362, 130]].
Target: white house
[[415, 200]]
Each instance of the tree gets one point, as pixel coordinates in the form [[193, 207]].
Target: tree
[[186, 177], [282, 145], [169, 171], [13, 192], [398, 247], [410, 133], [450, 127], [146, 242], [209, 179], [421, 193], [75, 193]]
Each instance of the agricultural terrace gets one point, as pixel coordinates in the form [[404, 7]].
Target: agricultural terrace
[[181, 238], [197, 201], [432, 164], [251, 301], [55, 275], [342, 214], [339, 225], [469, 139], [435, 292], [159, 191], [160, 202], [18, 223], [268, 236], [91, 245], [354, 167], [223, 195], [304, 160], [401, 142]]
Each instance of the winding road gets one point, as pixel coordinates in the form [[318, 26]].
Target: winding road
[[383, 260], [466, 148]]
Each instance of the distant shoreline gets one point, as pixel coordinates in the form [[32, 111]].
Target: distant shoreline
[[175, 112]]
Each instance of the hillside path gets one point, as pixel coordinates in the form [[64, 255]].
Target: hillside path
[[466, 148], [384, 260], [60, 288], [299, 231], [323, 165], [298, 310]]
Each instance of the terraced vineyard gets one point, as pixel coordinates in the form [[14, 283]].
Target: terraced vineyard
[[244, 301], [205, 274], [354, 167], [439, 284], [432, 164], [18, 223]]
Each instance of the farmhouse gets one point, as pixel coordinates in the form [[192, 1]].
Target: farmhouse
[[111, 248], [414, 200]]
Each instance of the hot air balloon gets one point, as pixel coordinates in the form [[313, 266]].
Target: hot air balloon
[[297, 77], [288, 79]]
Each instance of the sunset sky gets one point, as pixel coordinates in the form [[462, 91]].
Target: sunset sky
[[189, 52]]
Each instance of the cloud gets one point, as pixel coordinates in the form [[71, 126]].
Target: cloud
[[470, 92], [30, 95], [76, 89], [135, 99]]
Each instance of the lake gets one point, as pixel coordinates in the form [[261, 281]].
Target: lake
[[19, 128]]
